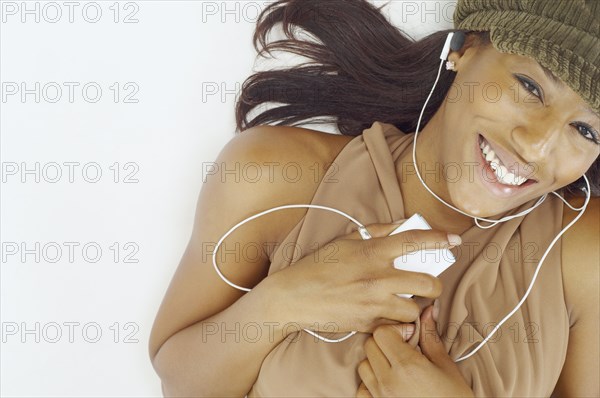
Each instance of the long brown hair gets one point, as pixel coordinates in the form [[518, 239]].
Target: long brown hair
[[362, 69]]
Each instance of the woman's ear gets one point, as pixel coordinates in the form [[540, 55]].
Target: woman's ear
[[469, 48]]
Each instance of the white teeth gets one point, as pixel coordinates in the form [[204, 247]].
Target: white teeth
[[484, 148], [504, 176], [501, 172], [513, 179]]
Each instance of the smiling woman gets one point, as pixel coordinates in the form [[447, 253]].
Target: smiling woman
[[506, 132], [534, 129]]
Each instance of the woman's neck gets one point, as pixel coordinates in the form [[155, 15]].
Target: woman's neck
[[415, 196]]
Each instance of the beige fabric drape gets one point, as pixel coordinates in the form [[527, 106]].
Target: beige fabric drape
[[493, 270]]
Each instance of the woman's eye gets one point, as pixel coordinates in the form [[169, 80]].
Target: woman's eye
[[530, 86], [588, 133], [584, 130]]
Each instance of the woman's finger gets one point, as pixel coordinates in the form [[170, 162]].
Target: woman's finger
[[365, 371], [391, 340], [363, 392], [431, 343], [376, 357], [375, 230]]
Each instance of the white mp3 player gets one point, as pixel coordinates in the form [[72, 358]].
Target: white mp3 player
[[431, 261]]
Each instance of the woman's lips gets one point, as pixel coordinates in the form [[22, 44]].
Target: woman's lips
[[509, 161], [489, 178]]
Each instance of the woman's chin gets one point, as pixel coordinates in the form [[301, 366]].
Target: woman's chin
[[475, 210], [473, 205]]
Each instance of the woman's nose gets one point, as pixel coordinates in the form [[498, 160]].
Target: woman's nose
[[537, 141]]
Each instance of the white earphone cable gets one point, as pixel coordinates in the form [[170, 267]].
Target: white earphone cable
[[477, 219], [495, 222], [365, 234], [361, 229], [537, 270]]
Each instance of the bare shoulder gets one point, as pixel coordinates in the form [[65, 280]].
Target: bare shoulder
[[291, 162], [295, 142], [581, 257], [261, 168], [581, 281]]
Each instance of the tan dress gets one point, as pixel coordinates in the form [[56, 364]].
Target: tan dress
[[493, 270]]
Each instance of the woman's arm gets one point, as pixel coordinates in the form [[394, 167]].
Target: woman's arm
[[220, 356], [208, 338], [581, 280]]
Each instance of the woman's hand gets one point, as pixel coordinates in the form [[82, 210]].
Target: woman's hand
[[350, 284], [394, 368]]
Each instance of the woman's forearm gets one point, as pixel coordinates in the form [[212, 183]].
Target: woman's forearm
[[222, 355]]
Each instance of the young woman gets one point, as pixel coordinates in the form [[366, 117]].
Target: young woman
[[513, 118]]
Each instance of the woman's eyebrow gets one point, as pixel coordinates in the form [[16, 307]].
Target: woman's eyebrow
[[559, 82], [590, 110], [551, 76]]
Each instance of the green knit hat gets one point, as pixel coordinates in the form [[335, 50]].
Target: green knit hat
[[561, 35]]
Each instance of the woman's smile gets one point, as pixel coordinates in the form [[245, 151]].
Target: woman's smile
[[522, 144], [499, 172]]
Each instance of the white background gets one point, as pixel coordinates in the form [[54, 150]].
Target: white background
[[178, 65]]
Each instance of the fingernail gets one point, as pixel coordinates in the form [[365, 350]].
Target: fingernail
[[408, 331], [436, 310], [454, 240], [398, 222]]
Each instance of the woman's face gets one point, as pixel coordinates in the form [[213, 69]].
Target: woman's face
[[513, 132]]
